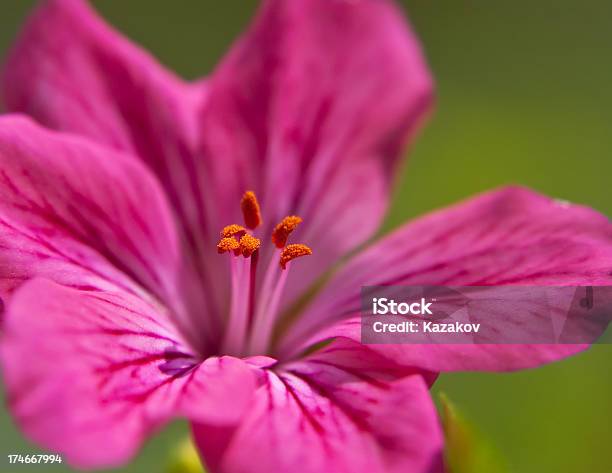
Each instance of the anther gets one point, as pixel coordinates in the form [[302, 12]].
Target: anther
[[249, 245], [228, 244], [233, 230], [290, 252], [281, 232], [250, 210]]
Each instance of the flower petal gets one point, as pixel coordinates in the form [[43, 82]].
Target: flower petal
[[91, 374], [311, 109], [72, 72], [73, 211], [331, 412], [507, 237]]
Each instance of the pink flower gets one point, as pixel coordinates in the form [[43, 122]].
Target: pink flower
[[120, 314]]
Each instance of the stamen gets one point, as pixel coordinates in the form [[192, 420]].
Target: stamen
[[255, 309], [250, 210], [236, 329], [233, 230], [290, 252], [270, 296], [249, 245], [228, 244], [267, 307], [281, 232]]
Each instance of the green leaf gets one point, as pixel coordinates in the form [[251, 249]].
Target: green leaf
[[467, 451]]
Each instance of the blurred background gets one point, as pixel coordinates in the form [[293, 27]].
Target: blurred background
[[524, 96]]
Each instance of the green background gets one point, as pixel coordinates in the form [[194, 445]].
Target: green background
[[524, 96]]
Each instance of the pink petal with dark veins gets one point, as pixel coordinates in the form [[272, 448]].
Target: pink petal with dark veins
[[336, 411], [82, 214], [311, 109], [511, 236], [72, 72], [91, 374]]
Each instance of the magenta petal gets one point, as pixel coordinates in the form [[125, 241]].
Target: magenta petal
[[311, 109], [512, 236], [332, 413], [73, 211], [91, 374], [72, 72]]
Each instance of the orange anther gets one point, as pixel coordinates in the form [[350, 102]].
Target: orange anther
[[290, 252], [281, 232], [232, 230], [249, 245], [228, 244], [250, 210]]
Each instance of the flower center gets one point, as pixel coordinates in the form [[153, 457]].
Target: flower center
[[254, 309]]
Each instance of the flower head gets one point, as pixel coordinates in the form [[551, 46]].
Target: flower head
[[149, 228]]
